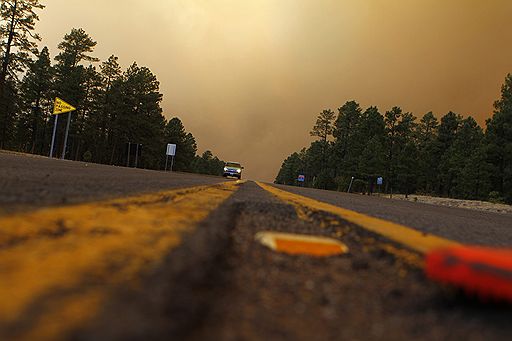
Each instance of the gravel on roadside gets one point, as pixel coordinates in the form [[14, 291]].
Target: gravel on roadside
[[470, 204]]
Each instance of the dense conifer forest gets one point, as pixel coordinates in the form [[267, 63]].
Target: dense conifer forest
[[118, 118], [451, 156]]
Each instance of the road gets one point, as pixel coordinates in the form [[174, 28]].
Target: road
[[34, 181], [463, 225], [109, 253]]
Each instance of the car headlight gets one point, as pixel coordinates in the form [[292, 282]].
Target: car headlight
[[225, 169], [239, 171]]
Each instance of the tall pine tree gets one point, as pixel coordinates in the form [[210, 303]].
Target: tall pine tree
[[499, 141], [35, 105], [17, 24]]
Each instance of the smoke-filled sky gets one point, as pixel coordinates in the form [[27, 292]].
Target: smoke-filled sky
[[248, 77]]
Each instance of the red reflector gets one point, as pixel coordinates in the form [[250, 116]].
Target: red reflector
[[484, 271]]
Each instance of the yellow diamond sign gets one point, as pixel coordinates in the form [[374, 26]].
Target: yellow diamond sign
[[61, 107]]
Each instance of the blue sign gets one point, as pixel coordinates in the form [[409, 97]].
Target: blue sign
[[379, 180], [301, 178]]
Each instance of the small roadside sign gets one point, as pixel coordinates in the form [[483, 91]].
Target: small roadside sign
[[171, 149], [301, 178], [61, 107], [380, 180]]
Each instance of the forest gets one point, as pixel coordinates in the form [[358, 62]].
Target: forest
[[119, 118], [450, 157]]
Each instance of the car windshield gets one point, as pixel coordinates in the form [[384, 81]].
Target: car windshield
[[232, 164]]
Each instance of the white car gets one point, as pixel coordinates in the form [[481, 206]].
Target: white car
[[233, 169]]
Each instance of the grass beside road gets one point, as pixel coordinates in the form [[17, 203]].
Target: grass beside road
[[57, 265]]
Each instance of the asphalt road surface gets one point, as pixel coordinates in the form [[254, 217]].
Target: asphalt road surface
[[34, 181], [460, 224], [184, 264]]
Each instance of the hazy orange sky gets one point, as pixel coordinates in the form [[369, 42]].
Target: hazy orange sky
[[248, 77]]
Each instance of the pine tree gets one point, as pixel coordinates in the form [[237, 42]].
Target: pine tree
[[474, 179], [17, 24], [323, 127], [75, 48], [371, 125], [35, 105], [88, 125], [346, 148], [185, 144], [8, 114], [447, 133], [71, 82], [499, 142], [399, 132], [315, 165], [111, 73], [291, 168], [139, 115], [426, 137], [368, 138], [207, 163], [372, 161], [467, 142]]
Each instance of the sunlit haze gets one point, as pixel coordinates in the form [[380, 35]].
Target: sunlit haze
[[248, 78]]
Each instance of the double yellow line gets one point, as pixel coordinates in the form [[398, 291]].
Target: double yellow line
[[77, 254]]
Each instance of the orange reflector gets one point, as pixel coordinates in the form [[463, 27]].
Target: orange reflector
[[299, 244], [486, 272]]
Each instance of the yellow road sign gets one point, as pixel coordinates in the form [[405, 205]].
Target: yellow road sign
[[61, 107]]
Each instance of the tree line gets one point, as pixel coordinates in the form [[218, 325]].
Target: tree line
[[116, 108], [451, 157]]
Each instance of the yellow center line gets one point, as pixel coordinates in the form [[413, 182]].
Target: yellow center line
[[415, 240], [58, 264]]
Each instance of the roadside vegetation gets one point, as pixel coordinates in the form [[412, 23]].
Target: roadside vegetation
[[116, 108], [451, 157]]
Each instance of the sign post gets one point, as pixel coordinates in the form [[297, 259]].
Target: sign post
[[137, 156], [63, 156], [53, 136], [171, 151], [350, 186], [61, 107]]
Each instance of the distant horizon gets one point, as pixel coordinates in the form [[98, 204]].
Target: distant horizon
[[248, 79]]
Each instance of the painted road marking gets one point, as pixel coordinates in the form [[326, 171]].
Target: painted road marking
[[300, 244], [418, 241], [75, 255]]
